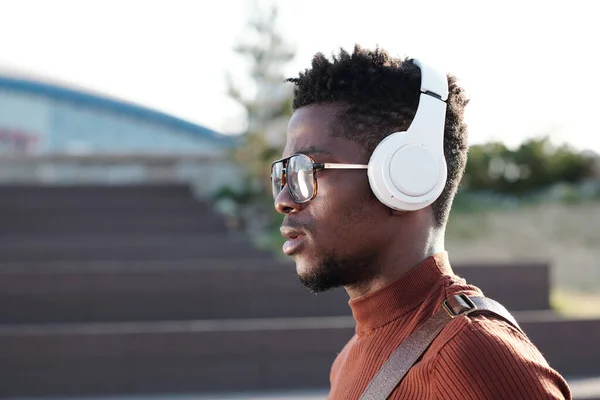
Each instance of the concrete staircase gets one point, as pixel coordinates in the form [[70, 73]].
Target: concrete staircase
[[122, 290]]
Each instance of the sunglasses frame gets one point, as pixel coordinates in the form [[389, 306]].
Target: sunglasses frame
[[316, 167]]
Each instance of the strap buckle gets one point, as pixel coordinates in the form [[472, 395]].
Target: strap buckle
[[459, 304]]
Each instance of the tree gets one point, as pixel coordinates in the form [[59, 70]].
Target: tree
[[267, 103], [535, 165]]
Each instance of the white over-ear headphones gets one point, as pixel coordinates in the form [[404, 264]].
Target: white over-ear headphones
[[407, 170]]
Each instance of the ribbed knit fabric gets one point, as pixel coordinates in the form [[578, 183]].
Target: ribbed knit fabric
[[473, 358]]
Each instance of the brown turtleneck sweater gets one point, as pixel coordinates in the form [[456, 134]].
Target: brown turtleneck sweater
[[473, 358]]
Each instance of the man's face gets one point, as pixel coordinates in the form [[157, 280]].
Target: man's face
[[334, 238]]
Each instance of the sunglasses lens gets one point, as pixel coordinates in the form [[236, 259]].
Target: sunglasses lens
[[277, 178], [300, 178]]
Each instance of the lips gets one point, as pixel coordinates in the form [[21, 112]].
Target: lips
[[296, 239]]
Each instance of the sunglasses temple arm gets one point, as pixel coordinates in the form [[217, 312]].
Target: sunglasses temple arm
[[344, 166]]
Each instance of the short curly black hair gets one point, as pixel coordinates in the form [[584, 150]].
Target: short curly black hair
[[379, 95]]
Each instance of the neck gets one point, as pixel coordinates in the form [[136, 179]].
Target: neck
[[401, 256]]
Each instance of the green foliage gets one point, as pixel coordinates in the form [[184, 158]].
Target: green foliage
[[534, 166]]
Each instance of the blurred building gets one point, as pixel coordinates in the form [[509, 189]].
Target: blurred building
[[56, 132]]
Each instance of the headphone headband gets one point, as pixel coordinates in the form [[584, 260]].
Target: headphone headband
[[433, 82]]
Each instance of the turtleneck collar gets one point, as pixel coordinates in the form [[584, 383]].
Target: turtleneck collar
[[399, 297]]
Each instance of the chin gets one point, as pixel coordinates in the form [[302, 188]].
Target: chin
[[316, 277], [319, 274], [303, 268]]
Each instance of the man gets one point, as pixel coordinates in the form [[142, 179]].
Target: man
[[387, 249]]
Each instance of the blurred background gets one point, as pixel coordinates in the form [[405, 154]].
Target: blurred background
[[140, 255]]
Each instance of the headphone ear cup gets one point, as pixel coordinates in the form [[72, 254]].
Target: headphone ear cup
[[405, 175]]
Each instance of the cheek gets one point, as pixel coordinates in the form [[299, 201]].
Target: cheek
[[350, 215], [344, 186], [345, 205]]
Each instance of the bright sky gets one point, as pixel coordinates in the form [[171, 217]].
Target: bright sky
[[530, 67]]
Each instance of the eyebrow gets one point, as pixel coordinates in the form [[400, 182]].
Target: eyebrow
[[314, 150]]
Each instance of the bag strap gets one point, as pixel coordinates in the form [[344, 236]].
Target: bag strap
[[411, 349]]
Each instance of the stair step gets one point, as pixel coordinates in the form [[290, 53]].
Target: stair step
[[158, 290], [242, 287], [67, 195], [123, 247], [226, 355]]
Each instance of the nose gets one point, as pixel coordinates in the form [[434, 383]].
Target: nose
[[284, 204]]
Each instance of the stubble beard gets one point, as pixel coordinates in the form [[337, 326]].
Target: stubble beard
[[336, 271]]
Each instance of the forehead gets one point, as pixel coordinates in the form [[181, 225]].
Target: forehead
[[310, 131]]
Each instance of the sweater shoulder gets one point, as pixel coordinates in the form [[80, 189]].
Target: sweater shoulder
[[485, 357]]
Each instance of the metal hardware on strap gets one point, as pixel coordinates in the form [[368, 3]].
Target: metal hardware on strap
[[459, 304], [412, 348]]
